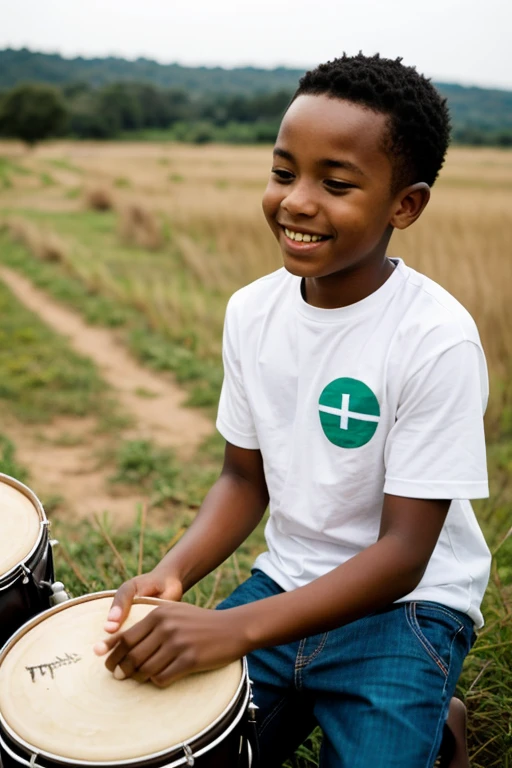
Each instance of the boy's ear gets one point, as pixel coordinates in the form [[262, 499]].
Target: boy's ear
[[410, 203]]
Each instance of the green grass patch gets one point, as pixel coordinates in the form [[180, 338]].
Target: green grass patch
[[47, 179], [73, 193], [122, 182], [8, 462], [62, 164], [40, 377], [9, 168]]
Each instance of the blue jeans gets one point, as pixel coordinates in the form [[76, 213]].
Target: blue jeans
[[378, 687]]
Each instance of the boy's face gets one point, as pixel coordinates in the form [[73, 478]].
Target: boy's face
[[331, 178]]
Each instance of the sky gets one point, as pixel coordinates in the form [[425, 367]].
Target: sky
[[462, 41]]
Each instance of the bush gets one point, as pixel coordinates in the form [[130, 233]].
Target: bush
[[32, 113]]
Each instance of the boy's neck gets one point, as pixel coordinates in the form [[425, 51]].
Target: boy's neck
[[344, 288]]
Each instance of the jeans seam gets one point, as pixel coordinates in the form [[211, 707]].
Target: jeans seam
[[305, 660], [461, 629], [272, 714], [414, 625], [437, 740], [299, 664]]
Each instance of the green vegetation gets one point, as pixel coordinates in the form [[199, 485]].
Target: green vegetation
[[32, 112], [39, 376], [8, 462], [107, 98], [8, 170]]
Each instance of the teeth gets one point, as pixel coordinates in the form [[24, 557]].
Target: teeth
[[302, 237]]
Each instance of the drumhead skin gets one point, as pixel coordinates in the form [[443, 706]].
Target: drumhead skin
[[19, 523], [58, 698]]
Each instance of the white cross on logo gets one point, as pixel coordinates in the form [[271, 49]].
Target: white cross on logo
[[345, 413]]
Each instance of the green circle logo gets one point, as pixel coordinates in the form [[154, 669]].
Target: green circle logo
[[349, 413]]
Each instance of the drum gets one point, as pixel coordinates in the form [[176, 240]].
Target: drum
[[59, 704], [26, 565]]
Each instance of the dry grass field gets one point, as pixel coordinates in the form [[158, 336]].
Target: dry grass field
[[151, 239], [200, 206]]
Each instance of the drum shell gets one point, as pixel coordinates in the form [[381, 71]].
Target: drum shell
[[28, 592], [25, 589]]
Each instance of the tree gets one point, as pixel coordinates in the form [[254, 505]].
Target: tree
[[32, 112]]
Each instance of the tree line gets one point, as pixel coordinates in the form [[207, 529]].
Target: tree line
[[35, 111]]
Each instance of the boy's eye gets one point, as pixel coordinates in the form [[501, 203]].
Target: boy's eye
[[338, 186], [282, 174]]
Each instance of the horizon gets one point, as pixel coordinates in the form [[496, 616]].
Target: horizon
[[227, 68], [452, 41]]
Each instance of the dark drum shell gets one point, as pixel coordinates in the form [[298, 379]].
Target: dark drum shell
[[25, 589]]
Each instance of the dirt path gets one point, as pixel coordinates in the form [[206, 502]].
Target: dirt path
[[66, 472], [70, 468], [159, 412]]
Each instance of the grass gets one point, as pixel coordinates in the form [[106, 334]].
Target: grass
[[39, 376], [8, 462], [169, 304]]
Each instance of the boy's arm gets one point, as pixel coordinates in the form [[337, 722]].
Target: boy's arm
[[185, 639], [373, 579], [229, 513]]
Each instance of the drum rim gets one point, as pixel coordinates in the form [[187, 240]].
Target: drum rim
[[43, 526], [34, 750]]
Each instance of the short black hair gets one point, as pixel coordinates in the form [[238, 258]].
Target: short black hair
[[418, 118]]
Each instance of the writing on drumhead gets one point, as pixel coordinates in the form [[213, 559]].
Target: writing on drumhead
[[40, 670]]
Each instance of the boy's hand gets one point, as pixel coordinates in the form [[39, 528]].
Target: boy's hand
[[148, 585], [175, 640]]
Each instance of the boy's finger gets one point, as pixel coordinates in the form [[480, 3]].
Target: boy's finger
[[121, 605], [127, 641], [144, 654], [106, 645], [178, 668]]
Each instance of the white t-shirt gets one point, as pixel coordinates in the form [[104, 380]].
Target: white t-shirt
[[386, 395]]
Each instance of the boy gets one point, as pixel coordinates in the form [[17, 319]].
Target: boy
[[353, 401]]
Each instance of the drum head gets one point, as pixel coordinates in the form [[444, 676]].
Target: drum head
[[57, 696], [19, 525]]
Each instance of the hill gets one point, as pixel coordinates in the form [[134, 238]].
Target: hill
[[479, 115], [25, 65]]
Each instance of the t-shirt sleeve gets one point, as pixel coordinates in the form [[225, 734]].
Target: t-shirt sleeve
[[436, 448], [234, 418]]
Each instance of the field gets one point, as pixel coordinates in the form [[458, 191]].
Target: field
[[116, 263]]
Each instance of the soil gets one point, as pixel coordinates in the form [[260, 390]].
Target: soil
[[64, 458]]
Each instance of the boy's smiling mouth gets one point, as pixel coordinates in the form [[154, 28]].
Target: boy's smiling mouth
[[303, 237]]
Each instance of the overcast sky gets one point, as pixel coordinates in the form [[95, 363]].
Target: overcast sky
[[465, 41]]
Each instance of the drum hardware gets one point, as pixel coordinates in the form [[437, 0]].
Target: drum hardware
[[252, 729], [189, 755], [27, 572], [59, 594]]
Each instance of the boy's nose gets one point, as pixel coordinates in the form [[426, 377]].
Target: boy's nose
[[299, 202]]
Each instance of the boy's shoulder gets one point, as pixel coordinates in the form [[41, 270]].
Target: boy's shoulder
[[261, 293], [417, 307], [434, 308]]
